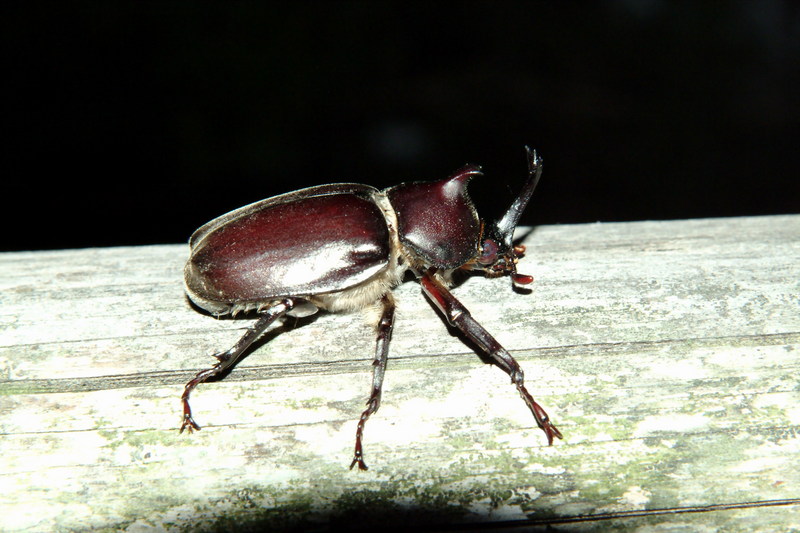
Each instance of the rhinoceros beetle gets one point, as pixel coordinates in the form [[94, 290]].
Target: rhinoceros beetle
[[342, 247]]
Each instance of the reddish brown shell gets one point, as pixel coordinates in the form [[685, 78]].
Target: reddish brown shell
[[437, 219], [311, 241]]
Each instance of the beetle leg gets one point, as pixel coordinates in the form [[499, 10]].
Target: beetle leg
[[229, 357], [385, 326], [458, 315]]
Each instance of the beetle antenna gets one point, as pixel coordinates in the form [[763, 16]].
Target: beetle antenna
[[505, 226]]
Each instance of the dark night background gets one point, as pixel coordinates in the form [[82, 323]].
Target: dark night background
[[134, 123]]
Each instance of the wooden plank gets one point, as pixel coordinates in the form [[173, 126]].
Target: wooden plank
[[666, 352]]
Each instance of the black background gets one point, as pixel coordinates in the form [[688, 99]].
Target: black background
[[134, 123]]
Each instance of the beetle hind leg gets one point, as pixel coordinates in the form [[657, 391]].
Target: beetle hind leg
[[385, 327], [229, 358]]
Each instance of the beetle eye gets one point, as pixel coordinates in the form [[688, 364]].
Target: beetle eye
[[488, 253]]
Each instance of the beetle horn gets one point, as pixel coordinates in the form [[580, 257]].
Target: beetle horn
[[505, 226]]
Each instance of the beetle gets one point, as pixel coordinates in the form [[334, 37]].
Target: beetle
[[345, 246]]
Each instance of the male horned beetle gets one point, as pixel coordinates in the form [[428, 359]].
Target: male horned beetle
[[345, 246]]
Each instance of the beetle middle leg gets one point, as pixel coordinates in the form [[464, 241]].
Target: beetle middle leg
[[385, 326], [458, 316], [229, 357]]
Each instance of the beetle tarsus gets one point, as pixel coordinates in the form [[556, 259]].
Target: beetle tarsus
[[189, 424], [358, 455], [359, 460], [541, 416]]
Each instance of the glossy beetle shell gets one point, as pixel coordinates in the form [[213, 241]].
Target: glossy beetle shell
[[312, 241], [329, 239], [437, 219]]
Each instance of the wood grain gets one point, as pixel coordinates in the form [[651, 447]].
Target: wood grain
[[666, 353]]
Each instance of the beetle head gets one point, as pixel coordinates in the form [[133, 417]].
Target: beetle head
[[499, 256]]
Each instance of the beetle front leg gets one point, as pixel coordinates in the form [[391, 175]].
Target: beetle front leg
[[458, 315], [229, 357], [385, 326]]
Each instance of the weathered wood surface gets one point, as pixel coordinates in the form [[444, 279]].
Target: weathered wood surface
[[666, 352]]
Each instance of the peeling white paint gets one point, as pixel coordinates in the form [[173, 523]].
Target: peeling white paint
[[685, 369], [636, 497], [670, 422], [99, 458]]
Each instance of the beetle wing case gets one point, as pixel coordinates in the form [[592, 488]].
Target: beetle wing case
[[311, 241]]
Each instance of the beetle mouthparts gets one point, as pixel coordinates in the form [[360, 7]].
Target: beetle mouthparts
[[521, 279]]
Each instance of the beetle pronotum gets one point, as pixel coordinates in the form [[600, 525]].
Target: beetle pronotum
[[345, 246]]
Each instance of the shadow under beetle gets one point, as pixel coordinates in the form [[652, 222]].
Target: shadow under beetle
[[345, 246]]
